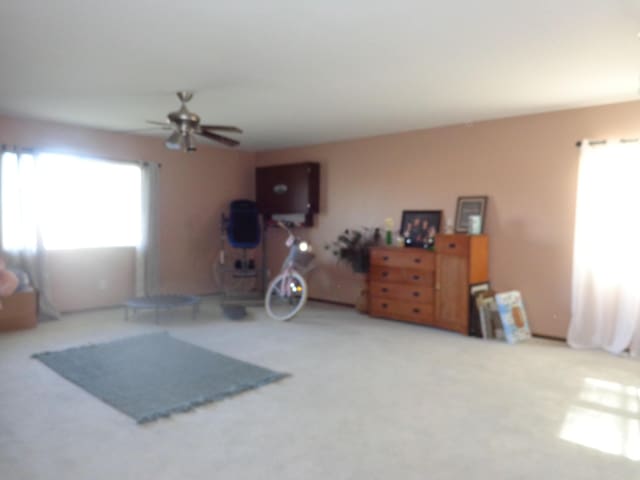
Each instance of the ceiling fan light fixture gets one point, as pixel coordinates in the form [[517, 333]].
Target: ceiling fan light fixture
[[189, 142], [175, 141]]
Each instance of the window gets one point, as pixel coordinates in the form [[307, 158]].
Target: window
[[72, 202]]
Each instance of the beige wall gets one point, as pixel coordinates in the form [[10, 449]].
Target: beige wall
[[526, 165], [194, 190]]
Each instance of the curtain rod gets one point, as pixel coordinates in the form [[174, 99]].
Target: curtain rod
[[603, 142], [14, 148], [5, 147]]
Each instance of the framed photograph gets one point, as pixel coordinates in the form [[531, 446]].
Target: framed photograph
[[513, 316], [419, 227], [479, 287], [490, 321], [476, 329], [468, 207]]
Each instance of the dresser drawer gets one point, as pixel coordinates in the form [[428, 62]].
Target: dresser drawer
[[452, 244], [402, 258], [386, 274], [402, 275], [401, 291], [397, 309], [419, 277]]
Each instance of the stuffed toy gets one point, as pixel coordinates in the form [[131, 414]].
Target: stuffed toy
[[9, 281]]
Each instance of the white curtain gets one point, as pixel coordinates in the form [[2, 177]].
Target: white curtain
[[147, 250], [22, 239], [606, 263]]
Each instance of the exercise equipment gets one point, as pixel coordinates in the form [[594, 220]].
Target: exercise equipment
[[240, 272]]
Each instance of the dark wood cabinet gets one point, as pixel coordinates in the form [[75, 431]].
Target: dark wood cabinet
[[428, 287], [288, 189]]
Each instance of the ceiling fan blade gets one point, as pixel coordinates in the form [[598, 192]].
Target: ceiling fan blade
[[221, 128], [139, 130], [164, 124], [218, 138]]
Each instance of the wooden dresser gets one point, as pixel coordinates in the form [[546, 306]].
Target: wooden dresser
[[428, 287], [401, 284]]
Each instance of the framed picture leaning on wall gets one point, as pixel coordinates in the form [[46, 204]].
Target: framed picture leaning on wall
[[468, 206], [419, 227]]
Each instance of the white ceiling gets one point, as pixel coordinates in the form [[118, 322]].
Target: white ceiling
[[297, 72]]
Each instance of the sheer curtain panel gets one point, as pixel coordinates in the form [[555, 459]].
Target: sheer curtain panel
[[146, 251], [21, 215], [606, 263]]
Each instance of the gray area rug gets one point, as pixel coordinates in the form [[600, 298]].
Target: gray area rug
[[153, 376]]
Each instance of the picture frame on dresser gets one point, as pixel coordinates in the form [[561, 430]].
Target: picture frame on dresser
[[468, 206], [419, 227]]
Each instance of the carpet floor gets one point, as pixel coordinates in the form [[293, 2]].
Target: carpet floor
[[367, 399]]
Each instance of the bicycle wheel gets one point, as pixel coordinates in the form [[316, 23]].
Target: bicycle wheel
[[286, 295]]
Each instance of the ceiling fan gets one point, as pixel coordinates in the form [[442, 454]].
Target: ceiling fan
[[186, 125]]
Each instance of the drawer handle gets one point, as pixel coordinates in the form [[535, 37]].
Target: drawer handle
[[384, 305], [416, 277], [417, 260], [385, 258], [385, 274], [416, 294], [452, 245], [384, 289], [416, 310]]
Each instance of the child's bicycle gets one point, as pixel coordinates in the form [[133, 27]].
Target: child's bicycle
[[287, 292]]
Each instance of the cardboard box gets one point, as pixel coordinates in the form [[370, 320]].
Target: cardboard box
[[19, 311]]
